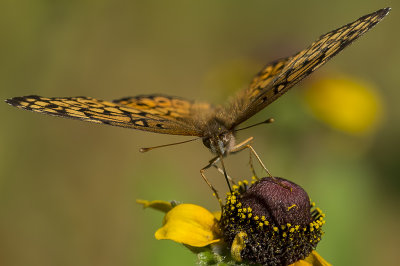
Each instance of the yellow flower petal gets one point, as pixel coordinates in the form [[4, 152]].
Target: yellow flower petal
[[345, 104], [159, 205], [314, 259], [189, 224]]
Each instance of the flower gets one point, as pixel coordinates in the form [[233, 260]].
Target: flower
[[346, 104], [276, 230], [274, 220]]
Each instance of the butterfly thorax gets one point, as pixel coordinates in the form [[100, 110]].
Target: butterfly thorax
[[218, 138]]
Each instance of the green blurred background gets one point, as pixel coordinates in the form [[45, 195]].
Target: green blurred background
[[68, 188]]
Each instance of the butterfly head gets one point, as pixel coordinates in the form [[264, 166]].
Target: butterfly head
[[220, 144], [219, 139]]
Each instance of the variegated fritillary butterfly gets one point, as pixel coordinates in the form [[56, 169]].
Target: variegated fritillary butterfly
[[216, 125]]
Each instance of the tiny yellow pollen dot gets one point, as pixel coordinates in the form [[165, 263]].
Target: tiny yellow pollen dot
[[261, 224], [275, 228], [266, 223]]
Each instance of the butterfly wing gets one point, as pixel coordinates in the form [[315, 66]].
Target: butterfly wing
[[169, 107], [104, 112], [278, 77]]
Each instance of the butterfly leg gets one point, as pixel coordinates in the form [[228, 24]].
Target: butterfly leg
[[252, 166], [238, 147], [222, 172], [212, 162], [245, 145]]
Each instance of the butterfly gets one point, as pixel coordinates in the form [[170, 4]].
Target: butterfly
[[215, 125]]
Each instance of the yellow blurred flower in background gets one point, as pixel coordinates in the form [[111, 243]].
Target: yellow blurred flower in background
[[346, 104]]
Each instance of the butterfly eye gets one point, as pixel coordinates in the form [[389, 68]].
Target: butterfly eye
[[207, 142]]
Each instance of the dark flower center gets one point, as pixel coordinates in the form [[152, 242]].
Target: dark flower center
[[279, 200], [274, 221]]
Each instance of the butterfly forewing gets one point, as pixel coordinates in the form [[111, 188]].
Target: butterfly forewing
[[103, 112], [278, 77], [169, 107], [177, 116]]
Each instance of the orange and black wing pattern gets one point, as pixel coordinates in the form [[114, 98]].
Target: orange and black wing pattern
[[169, 107], [278, 77], [138, 116]]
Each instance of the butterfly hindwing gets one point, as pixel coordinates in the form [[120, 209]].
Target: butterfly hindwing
[[278, 77], [102, 112]]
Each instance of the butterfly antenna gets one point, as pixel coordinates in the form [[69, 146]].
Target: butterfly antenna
[[268, 121], [165, 145]]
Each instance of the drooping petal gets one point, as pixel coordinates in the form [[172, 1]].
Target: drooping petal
[[189, 224], [159, 205], [314, 259], [238, 245]]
